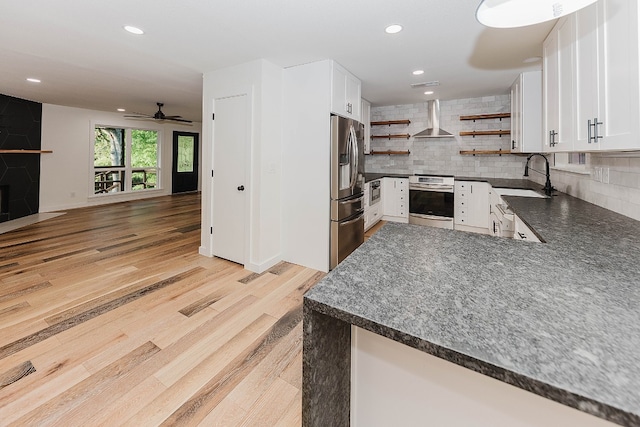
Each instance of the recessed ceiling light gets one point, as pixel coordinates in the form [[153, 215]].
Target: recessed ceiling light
[[532, 59], [418, 72], [32, 80], [133, 30], [121, 110], [429, 92], [392, 29]]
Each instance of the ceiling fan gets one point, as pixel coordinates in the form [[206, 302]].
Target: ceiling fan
[[159, 116]]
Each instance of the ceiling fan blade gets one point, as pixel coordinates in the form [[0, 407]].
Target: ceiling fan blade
[[179, 120], [139, 116]]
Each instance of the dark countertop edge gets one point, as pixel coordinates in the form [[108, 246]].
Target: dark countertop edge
[[546, 390]]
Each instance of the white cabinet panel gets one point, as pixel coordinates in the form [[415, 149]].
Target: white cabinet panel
[[345, 93], [471, 204], [365, 114], [526, 113], [395, 196]]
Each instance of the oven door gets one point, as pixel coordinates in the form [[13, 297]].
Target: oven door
[[433, 207]]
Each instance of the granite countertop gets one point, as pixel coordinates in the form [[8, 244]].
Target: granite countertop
[[560, 319]]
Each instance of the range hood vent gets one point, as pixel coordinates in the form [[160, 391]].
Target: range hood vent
[[433, 131]]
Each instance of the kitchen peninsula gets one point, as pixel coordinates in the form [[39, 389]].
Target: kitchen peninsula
[[559, 319]]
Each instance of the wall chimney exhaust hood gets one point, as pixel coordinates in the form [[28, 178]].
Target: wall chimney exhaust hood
[[433, 131]]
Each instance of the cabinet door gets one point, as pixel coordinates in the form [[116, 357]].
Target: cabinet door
[[585, 78], [564, 138], [618, 81], [339, 91], [550, 86], [353, 97], [516, 109], [389, 197], [365, 112], [478, 215]]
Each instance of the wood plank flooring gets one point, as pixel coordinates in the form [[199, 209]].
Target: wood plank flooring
[[109, 316]]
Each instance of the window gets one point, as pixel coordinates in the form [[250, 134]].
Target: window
[[125, 160]]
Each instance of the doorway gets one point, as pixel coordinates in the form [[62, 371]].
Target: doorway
[[184, 176]]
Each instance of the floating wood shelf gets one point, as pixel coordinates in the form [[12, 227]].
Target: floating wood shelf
[[486, 132], [390, 152], [391, 122], [398, 135], [486, 116], [25, 151], [474, 152]]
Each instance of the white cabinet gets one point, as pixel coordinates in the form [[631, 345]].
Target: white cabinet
[[365, 114], [345, 93], [558, 66], [372, 215], [526, 113], [471, 211], [395, 199], [606, 75], [522, 231], [591, 79]]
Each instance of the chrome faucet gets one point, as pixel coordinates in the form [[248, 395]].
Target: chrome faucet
[[548, 188]]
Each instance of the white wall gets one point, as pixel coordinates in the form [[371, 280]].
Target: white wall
[[65, 175], [262, 82]]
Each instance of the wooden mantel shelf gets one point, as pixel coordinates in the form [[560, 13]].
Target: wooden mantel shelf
[[25, 151], [398, 135], [486, 116], [486, 132], [390, 152], [391, 122]]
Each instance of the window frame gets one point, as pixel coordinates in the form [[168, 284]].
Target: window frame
[[127, 168]]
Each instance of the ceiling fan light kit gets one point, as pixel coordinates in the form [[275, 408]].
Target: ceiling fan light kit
[[521, 13], [158, 116]]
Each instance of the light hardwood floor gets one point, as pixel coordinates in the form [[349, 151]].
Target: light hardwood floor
[[108, 316]]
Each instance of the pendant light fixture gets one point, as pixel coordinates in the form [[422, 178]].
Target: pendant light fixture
[[520, 13]]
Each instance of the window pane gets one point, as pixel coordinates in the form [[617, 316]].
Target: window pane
[[108, 181], [143, 179], [185, 153], [144, 148], [108, 147]]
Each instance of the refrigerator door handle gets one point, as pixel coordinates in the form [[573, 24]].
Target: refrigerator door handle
[[354, 161], [356, 219]]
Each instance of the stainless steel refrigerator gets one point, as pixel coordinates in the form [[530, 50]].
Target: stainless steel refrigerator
[[347, 188]]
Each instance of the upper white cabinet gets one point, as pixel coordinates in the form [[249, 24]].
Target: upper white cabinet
[[558, 66], [605, 79], [526, 113], [365, 112], [345, 93]]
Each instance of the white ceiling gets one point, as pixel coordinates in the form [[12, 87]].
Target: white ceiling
[[85, 59]]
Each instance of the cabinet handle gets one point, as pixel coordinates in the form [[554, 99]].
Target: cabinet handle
[[522, 235], [589, 137], [595, 130], [552, 138], [513, 144]]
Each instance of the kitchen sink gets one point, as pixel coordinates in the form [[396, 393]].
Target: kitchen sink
[[521, 192]]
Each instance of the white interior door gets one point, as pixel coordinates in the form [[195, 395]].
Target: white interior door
[[230, 192]]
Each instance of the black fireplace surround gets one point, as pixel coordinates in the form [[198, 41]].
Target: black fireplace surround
[[20, 128]]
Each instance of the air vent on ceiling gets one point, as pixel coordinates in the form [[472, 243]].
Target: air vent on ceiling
[[425, 84]]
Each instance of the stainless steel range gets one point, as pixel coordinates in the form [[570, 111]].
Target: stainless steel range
[[431, 200]]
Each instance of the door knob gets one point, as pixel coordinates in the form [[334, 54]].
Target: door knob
[[241, 188]]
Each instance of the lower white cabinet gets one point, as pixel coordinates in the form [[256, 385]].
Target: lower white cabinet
[[372, 215], [522, 231], [395, 199], [471, 212]]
